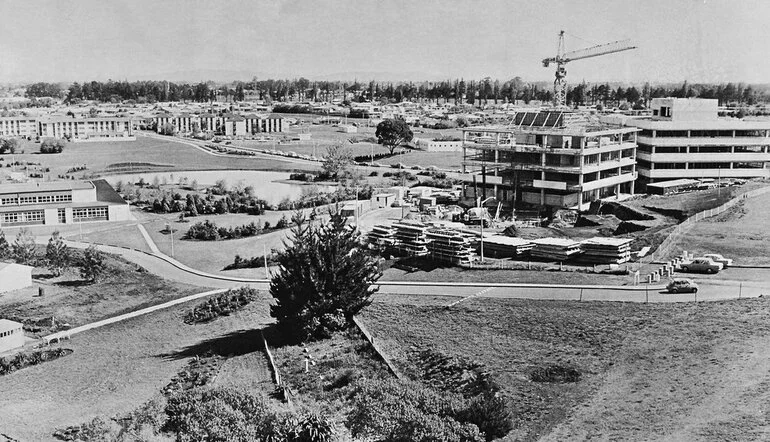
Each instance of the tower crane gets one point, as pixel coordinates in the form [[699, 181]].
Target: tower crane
[[562, 58]]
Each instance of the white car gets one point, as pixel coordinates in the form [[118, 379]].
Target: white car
[[726, 262]]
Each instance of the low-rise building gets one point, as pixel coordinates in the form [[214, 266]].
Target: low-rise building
[[550, 159], [14, 276], [685, 139], [11, 335], [60, 202]]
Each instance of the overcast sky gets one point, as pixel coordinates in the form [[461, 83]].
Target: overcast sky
[[64, 40]]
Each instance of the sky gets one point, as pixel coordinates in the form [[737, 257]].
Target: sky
[[84, 40]]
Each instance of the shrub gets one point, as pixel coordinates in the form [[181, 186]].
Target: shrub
[[222, 305], [555, 373], [50, 145]]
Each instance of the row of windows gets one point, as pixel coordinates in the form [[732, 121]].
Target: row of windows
[[40, 199], [738, 165], [702, 133], [31, 217], [87, 213], [8, 333], [703, 149]]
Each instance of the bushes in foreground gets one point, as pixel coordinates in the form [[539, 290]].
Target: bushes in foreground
[[222, 305], [223, 414], [27, 359], [397, 410]]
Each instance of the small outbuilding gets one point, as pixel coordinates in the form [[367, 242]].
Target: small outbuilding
[[11, 335], [14, 276]]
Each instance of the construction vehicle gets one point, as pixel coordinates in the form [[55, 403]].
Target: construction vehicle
[[562, 58], [477, 215]]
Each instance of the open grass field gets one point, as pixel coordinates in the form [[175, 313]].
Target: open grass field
[[648, 372], [97, 156], [740, 233], [123, 288], [115, 369]]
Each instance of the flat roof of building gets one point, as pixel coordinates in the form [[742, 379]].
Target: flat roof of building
[[63, 118], [718, 124], [8, 325], [45, 186]]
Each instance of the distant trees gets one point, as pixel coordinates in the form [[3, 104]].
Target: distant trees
[[38, 90], [167, 129], [325, 277], [8, 145], [393, 132], [51, 145]]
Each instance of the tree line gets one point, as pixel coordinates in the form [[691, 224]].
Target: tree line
[[459, 91]]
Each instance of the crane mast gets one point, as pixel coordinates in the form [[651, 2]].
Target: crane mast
[[562, 58]]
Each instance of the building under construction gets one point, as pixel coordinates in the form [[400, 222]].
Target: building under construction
[[550, 159]]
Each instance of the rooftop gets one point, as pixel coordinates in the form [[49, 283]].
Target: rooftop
[[45, 186], [8, 325]]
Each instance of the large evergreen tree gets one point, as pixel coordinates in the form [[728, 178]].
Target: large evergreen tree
[[325, 277], [24, 248], [391, 133], [5, 248], [92, 264]]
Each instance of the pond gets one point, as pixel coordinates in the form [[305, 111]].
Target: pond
[[270, 186]]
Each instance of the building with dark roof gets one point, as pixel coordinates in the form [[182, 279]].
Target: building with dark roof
[[60, 202]]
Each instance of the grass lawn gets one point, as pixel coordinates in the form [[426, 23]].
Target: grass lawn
[[644, 373], [121, 236], [213, 256], [167, 153], [740, 233], [123, 288], [117, 368]]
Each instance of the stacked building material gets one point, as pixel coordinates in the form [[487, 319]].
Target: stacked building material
[[600, 250], [500, 246], [450, 246], [412, 238], [557, 249], [382, 236]]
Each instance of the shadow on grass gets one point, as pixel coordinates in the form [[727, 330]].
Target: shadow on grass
[[75, 283], [414, 264], [235, 343]]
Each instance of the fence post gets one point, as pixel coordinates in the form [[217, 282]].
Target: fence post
[[581, 294], [647, 294], [740, 290]]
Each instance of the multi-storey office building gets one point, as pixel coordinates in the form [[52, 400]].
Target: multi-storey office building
[[18, 127], [550, 159], [685, 138], [87, 129], [226, 124], [60, 202]]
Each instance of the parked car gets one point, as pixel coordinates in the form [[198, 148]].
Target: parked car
[[682, 285], [716, 257], [701, 265]]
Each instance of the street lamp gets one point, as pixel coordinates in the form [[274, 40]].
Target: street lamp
[[481, 223]]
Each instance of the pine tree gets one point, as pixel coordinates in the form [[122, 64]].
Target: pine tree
[[92, 264], [23, 248], [325, 277], [5, 248], [56, 254]]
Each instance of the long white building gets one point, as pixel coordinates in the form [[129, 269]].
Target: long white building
[[71, 128], [685, 138]]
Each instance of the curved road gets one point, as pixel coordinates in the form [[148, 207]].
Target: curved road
[[710, 290]]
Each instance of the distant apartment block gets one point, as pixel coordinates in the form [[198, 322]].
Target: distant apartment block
[[71, 128], [60, 202], [229, 124], [550, 159], [18, 127], [685, 138], [87, 129]]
